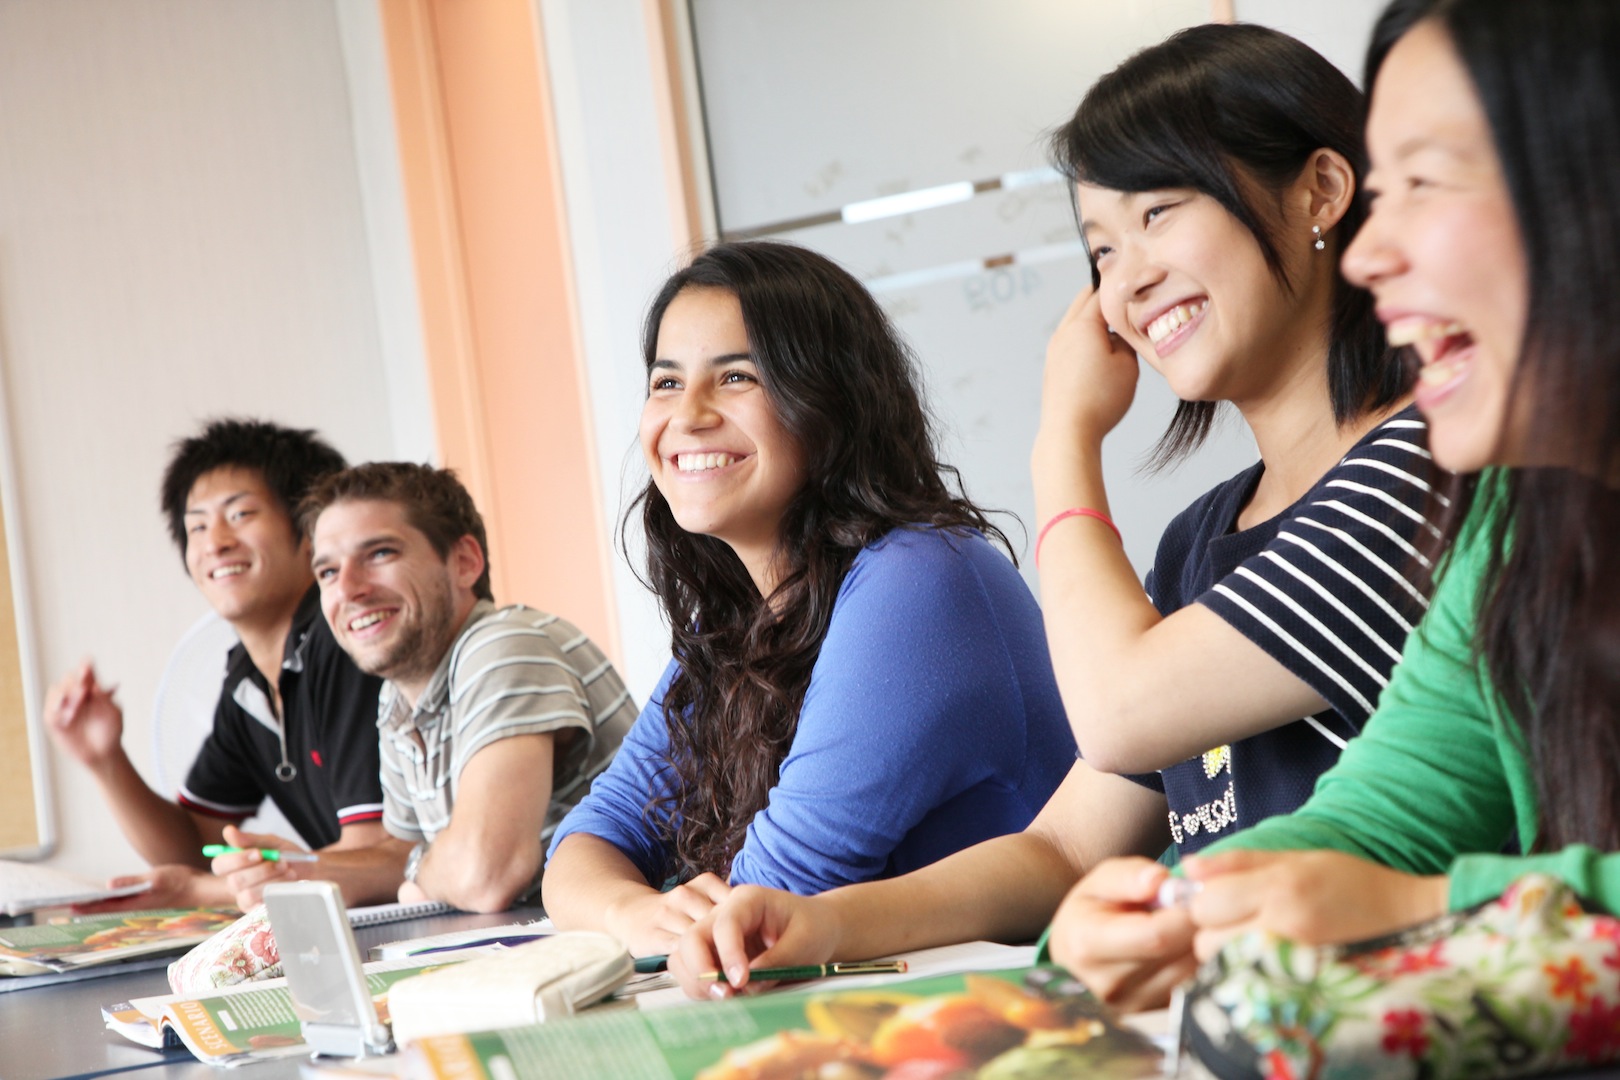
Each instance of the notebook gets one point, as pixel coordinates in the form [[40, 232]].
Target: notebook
[[379, 914]]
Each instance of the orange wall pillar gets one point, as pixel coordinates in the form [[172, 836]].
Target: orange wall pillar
[[505, 364]]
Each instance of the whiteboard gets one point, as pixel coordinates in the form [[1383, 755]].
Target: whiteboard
[[813, 105], [1339, 31], [810, 108]]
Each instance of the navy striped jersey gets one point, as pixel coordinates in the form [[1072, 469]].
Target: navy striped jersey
[[1329, 588]]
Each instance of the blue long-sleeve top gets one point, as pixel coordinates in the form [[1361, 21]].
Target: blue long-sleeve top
[[932, 721]]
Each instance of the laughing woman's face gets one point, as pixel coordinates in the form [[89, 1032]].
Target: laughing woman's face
[[1442, 253]]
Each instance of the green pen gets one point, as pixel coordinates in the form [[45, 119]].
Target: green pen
[[814, 971], [268, 854]]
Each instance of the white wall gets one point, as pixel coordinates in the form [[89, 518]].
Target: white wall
[[622, 237], [397, 311], [1338, 30], [183, 233], [623, 242], [783, 145], [200, 213]]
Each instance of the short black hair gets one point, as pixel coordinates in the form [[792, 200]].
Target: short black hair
[[289, 459], [1235, 112]]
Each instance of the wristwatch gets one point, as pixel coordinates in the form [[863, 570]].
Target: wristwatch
[[414, 861]]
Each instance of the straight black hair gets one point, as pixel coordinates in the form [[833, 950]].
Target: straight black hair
[[1549, 621], [289, 459], [1235, 112]]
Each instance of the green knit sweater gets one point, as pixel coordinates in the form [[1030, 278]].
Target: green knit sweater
[[1438, 779]]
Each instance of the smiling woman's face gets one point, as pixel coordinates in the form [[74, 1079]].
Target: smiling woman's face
[[1186, 285], [718, 452], [1442, 254]]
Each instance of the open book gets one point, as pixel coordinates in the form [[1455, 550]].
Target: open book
[[1002, 1025], [26, 887], [246, 1022]]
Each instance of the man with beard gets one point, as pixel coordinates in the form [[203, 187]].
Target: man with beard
[[493, 720], [294, 718]]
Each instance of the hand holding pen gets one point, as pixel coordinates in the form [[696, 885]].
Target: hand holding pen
[[213, 851], [250, 861], [750, 935]]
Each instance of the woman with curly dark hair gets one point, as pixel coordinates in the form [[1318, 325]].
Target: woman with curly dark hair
[[861, 685], [1215, 175]]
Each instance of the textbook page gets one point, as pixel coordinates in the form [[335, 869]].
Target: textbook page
[[920, 964], [246, 1022], [26, 887], [508, 934]]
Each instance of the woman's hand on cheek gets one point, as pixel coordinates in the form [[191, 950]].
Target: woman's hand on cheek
[[1090, 375], [1312, 897], [1109, 934]]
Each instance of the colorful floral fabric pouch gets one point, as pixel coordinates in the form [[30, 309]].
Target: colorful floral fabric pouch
[[240, 952], [1528, 983]]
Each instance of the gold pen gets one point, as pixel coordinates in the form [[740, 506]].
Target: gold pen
[[814, 971]]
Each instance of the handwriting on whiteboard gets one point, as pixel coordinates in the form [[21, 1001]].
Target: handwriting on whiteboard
[[1003, 285]]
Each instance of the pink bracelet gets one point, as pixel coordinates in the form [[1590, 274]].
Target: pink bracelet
[[1076, 511]]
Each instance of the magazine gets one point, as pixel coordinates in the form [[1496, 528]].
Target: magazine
[[246, 1022], [87, 940], [1024, 1024]]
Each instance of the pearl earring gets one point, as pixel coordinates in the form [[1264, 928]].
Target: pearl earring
[[1321, 244]]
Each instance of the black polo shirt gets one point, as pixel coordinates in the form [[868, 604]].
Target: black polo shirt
[[330, 710]]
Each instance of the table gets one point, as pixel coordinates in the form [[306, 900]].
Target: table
[[52, 1032], [56, 1032]]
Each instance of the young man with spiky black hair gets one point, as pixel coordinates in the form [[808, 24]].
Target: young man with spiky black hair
[[296, 720]]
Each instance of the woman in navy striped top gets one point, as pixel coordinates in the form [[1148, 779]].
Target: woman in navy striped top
[[1216, 177]]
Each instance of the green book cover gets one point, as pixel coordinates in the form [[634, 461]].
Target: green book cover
[[259, 1021], [249, 1020]]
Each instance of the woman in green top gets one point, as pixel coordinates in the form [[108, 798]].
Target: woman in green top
[[1493, 249]]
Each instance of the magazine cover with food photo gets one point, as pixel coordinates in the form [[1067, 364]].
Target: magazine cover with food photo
[[66, 944], [1023, 1024]]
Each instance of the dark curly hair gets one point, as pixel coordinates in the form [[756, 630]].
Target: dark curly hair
[[845, 387], [289, 459], [436, 505]]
